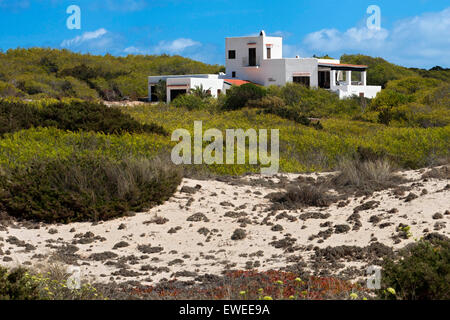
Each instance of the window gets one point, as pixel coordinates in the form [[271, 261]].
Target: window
[[302, 80], [269, 53], [233, 74], [231, 54]]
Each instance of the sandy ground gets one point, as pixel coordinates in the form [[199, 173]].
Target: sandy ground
[[191, 234]]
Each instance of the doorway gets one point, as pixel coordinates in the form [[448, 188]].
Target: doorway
[[176, 92], [324, 79], [252, 57]]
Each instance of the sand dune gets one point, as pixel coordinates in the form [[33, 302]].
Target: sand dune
[[194, 233]]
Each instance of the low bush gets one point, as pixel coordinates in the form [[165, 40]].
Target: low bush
[[15, 285], [421, 271], [365, 175], [73, 115], [22, 284], [191, 102], [237, 97], [300, 196], [86, 188], [250, 285]]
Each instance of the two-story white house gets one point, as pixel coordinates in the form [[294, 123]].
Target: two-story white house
[[259, 59]]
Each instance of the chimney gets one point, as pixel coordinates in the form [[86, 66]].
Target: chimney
[[262, 33]]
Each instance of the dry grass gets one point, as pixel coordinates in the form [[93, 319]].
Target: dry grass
[[300, 196], [442, 173], [365, 176]]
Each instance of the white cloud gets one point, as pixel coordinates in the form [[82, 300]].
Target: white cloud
[[100, 41], [290, 51], [85, 37], [353, 38], [421, 41], [133, 50], [205, 52], [176, 46]]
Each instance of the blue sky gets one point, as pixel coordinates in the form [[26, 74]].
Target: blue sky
[[414, 33]]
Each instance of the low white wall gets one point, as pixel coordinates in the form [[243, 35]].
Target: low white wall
[[349, 91]]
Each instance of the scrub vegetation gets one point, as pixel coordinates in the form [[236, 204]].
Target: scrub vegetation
[[65, 156]]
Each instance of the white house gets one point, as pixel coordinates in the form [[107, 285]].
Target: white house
[[259, 59]]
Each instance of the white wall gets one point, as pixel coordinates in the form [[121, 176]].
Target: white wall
[[307, 65], [241, 46], [174, 79], [189, 83], [349, 91]]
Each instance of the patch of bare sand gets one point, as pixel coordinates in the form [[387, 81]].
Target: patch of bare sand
[[191, 234]]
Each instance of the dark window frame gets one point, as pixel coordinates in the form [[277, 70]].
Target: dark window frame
[[269, 53], [231, 54], [303, 80], [233, 74]]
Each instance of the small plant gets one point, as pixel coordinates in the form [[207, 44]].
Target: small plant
[[200, 92], [421, 271]]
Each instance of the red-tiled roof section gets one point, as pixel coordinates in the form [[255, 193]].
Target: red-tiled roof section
[[236, 82]]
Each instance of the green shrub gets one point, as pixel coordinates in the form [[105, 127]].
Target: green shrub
[[74, 115], [420, 272], [420, 115], [314, 102], [380, 71], [15, 285], [86, 188], [290, 113], [201, 92], [237, 97], [190, 102], [22, 284], [268, 102]]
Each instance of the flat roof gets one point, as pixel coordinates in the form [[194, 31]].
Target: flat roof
[[342, 66]]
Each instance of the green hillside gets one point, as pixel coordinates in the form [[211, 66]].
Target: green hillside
[[381, 71], [38, 73]]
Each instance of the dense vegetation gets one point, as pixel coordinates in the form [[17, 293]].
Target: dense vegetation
[[77, 161], [50, 73], [381, 71], [65, 160], [21, 284], [420, 272], [73, 115], [86, 188], [306, 148], [72, 160]]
